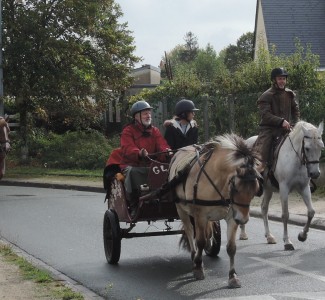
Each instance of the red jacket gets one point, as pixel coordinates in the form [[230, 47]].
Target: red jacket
[[135, 137]]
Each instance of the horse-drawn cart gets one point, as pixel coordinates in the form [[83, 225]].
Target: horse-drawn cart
[[153, 206]]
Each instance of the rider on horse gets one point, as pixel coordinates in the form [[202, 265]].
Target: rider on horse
[[279, 112]]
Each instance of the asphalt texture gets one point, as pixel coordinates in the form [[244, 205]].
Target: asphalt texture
[[297, 208]]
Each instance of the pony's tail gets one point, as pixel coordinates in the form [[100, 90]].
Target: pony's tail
[[184, 243]]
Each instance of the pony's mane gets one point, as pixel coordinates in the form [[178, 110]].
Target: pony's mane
[[238, 150]]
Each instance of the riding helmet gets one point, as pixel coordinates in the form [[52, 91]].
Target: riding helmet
[[278, 72], [139, 106], [183, 106]]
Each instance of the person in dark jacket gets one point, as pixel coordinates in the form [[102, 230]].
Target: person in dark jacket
[[279, 111], [182, 130], [138, 140]]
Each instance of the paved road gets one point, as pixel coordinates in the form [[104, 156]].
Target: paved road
[[64, 229]]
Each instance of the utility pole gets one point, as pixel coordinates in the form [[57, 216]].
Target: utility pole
[[1, 70]]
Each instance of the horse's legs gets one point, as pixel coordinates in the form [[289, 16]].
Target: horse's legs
[[284, 192], [200, 238], [243, 234], [306, 195], [265, 210], [233, 281]]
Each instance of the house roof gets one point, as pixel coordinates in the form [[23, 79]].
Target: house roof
[[287, 20]]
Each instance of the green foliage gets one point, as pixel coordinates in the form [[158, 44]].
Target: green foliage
[[242, 52], [72, 150], [62, 57]]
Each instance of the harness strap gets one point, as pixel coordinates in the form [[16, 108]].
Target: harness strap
[[202, 170], [220, 202]]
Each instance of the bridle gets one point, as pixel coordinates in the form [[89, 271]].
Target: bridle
[[303, 157]]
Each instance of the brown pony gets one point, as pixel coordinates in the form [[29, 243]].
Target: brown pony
[[221, 182], [4, 144]]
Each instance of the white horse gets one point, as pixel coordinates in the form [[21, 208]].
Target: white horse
[[297, 163]]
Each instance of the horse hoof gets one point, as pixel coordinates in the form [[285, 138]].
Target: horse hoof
[[302, 237], [271, 240], [198, 274], [289, 247], [234, 283], [243, 236]]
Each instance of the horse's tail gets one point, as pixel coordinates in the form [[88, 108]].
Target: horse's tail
[[183, 242]]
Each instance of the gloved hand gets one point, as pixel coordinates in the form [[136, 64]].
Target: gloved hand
[[169, 152], [143, 153]]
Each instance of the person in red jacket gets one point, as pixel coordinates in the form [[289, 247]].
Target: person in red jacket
[[139, 139]]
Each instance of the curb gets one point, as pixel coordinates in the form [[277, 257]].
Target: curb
[[53, 186], [317, 223], [55, 274]]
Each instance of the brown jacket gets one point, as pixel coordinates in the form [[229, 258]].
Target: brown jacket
[[276, 105]]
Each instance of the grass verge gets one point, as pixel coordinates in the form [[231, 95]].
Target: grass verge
[[45, 283], [28, 171]]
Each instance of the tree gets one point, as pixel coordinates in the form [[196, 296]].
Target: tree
[[240, 53], [62, 58], [182, 54], [191, 47]]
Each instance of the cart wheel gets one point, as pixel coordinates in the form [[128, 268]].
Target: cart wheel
[[112, 237], [213, 245]]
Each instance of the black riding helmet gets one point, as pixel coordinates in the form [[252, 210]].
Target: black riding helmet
[[139, 106], [184, 106], [278, 72]]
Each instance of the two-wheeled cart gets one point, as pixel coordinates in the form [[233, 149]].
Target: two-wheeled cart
[[151, 208]]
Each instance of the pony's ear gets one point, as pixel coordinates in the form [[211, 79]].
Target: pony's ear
[[320, 128]]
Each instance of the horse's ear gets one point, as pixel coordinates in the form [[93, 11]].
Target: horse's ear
[[320, 128]]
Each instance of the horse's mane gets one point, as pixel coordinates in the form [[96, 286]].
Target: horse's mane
[[238, 149], [297, 131]]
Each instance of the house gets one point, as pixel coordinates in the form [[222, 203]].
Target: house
[[146, 76], [280, 23]]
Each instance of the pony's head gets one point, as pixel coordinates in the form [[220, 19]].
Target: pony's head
[[243, 180], [308, 138]]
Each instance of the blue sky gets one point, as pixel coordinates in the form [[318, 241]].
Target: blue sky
[[160, 25]]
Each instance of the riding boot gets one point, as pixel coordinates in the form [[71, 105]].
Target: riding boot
[[261, 183], [133, 203]]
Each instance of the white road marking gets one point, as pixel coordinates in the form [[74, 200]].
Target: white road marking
[[294, 270], [274, 296]]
